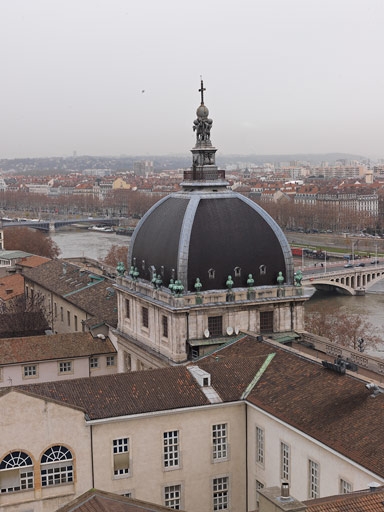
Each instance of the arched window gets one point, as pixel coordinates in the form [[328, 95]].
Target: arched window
[[16, 472], [237, 271], [56, 466], [211, 273], [263, 269]]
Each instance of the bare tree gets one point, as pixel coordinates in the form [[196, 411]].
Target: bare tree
[[23, 316], [30, 240], [116, 254], [340, 326]]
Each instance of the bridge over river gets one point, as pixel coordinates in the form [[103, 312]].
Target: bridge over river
[[347, 281], [53, 225]]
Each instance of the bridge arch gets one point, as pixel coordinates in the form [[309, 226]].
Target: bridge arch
[[355, 281], [328, 285]]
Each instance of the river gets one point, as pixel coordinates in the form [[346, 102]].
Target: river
[[83, 242], [96, 245]]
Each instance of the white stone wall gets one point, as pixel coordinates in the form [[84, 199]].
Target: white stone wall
[[32, 425], [332, 465], [197, 469]]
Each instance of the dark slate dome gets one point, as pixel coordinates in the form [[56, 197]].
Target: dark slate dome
[[209, 232]]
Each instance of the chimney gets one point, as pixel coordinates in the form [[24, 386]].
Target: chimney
[[277, 499], [285, 490]]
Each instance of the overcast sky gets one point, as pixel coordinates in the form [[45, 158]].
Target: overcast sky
[[281, 76]]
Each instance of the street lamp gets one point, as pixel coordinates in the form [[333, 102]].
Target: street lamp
[[353, 250]]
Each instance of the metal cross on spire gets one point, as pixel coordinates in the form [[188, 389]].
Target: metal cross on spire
[[201, 90]]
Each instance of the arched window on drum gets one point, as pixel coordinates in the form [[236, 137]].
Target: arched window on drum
[[56, 466], [16, 472]]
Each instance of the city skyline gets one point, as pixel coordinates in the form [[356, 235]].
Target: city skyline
[[114, 78]]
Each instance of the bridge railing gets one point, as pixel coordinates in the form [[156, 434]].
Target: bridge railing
[[325, 346]]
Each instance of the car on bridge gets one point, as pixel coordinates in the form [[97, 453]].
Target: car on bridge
[[360, 264], [348, 265]]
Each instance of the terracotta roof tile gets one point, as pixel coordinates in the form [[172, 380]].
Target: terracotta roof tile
[[55, 346], [126, 393], [32, 261], [335, 409], [362, 501], [101, 501], [91, 293], [11, 286]]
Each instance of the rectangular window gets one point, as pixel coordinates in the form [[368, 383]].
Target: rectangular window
[[30, 370], [345, 487], [121, 456], [75, 320], [68, 317], [56, 474], [94, 362], [144, 317], [220, 441], [284, 461], [110, 360], [314, 479], [221, 493], [260, 445], [215, 325], [65, 367], [26, 480], [55, 309], [259, 485], [172, 496], [266, 321], [171, 449], [127, 309], [62, 313], [164, 323]]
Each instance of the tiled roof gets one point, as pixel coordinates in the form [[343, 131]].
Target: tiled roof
[[101, 501], [362, 501], [55, 346], [32, 261], [337, 410], [11, 286], [93, 294], [124, 394]]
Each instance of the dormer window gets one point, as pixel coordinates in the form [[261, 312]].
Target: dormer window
[[237, 271], [211, 273], [263, 269]]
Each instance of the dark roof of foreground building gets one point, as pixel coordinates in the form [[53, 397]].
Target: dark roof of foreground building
[[207, 231], [336, 410], [126, 393], [90, 292], [54, 346], [101, 501], [371, 500]]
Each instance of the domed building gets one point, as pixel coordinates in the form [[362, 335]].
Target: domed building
[[205, 263]]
